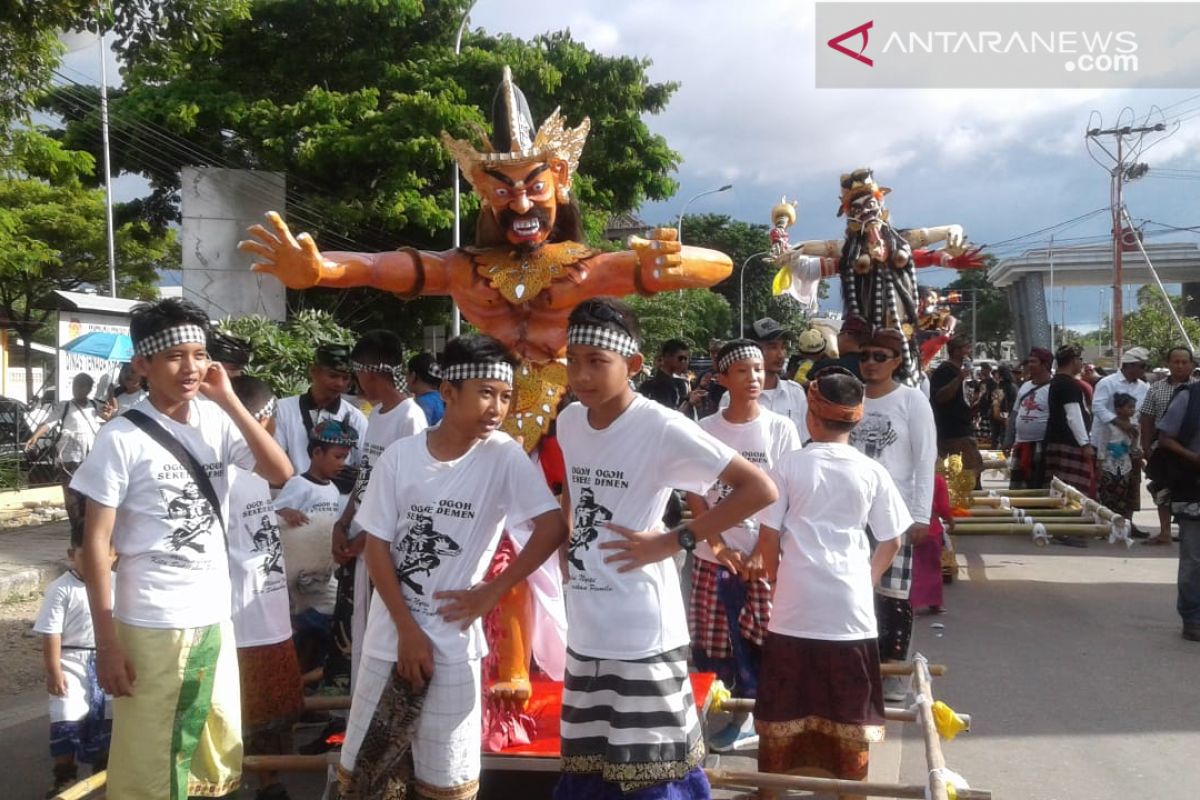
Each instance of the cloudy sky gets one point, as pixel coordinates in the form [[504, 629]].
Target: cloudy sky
[[1003, 163]]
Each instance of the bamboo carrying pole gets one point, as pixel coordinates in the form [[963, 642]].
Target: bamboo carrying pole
[[1010, 493], [738, 704], [903, 668], [1026, 529], [1038, 502], [78, 791], [803, 783], [933, 745], [289, 763]]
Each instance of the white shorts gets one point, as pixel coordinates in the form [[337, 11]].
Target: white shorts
[[447, 744]]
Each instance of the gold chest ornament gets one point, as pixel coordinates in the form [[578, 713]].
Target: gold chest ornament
[[521, 275]]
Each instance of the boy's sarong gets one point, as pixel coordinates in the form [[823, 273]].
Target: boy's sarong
[[80, 720], [1027, 466], [395, 734], [632, 724], [819, 707], [272, 696], [180, 734], [728, 619]]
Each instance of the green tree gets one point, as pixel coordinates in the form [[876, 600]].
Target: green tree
[[349, 100], [52, 236], [283, 353], [694, 315], [30, 49], [1152, 326], [983, 308]]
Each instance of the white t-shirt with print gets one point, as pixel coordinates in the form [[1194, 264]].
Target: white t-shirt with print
[[383, 429], [898, 431], [1032, 412], [828, 494], [173, 570], [624, 474], [292, 435], [787, 398], [305, 495], [443, 520], [256, 568], [761, 441], [79, 427]]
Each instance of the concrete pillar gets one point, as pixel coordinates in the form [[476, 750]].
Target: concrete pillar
[[218, 205], [1031, 323], [1191, 300]]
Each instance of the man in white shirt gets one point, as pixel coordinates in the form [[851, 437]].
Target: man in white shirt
[[296, 416], [898, 431], [1129, 380], [79, 420], [1028, 422]]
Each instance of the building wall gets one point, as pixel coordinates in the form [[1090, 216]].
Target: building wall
[[218, 206]]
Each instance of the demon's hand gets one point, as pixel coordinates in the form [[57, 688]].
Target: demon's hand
[[294, 260], [970, 258], [659, 256]]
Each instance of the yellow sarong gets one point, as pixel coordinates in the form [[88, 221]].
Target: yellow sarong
[[179, 735]]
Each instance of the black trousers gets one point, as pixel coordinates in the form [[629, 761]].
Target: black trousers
[[894, 617]]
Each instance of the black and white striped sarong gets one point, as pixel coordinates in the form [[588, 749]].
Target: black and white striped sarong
[[633, 723]]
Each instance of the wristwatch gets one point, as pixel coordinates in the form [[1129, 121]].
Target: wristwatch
[[686, 539]]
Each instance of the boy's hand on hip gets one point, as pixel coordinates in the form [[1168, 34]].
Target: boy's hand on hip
[[115, 671], [638, 548], [414, 657], [467, 606], [56, 684]]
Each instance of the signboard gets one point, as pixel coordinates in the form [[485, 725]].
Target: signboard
[[72, 325]]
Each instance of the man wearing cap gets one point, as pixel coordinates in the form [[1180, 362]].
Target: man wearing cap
[[811, 348], [1130, 379], [296, 416], [1030, 415], [779, 394]]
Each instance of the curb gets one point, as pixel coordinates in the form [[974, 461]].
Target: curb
[[29, 581]]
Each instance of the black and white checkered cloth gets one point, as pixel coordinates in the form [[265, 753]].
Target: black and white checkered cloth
[[897, 581], [604, 338], [171, 337], [498, 371], [266, 411], [742, 353]]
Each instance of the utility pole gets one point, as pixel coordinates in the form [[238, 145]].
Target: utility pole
[[1118, 179]]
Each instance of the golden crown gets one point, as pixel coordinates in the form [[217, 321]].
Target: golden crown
[[553, 140]]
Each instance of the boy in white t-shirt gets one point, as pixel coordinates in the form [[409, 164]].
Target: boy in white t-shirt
[[728, 612], [434, 511], [820, 697], [80, 712], [308, 505], [629, 721], [272, 687], [378, 362], [165, 645]]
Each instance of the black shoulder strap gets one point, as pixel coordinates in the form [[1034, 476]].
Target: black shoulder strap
[[185, 457], [306, 415]]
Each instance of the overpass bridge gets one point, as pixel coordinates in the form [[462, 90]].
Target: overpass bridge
[[1026, 277]]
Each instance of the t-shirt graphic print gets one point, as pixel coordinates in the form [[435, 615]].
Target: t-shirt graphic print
[[589, 517], [422, 551], [874, 435]]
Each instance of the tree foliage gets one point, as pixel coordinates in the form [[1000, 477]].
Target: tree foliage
[[694, 315], [52, 235], [283, 353], [349, 100], [1152, 326], [30, 49], [990, 315]]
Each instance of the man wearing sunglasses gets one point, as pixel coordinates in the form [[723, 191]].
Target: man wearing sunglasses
[[898, 431]]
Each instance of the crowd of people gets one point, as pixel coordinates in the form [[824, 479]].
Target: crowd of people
[[178, 640]]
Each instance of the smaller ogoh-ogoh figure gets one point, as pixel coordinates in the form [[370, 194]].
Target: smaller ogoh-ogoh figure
[[783, 216], [876, 263]]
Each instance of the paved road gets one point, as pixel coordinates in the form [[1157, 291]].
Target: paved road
[[1071, 663]]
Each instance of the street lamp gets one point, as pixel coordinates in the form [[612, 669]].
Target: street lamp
[[456, 318], [679, 226], [742, 291]]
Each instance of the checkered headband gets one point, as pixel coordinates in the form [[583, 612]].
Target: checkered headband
[[498, 371], [604, 338], [268, 410], [744, 353], [397, 371], [171, 337]]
